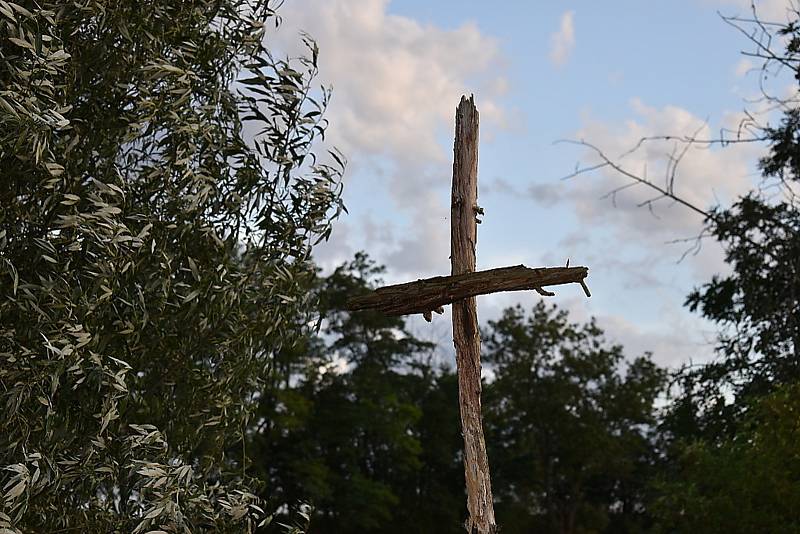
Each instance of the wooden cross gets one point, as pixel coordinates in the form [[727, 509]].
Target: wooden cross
[[460, 290]]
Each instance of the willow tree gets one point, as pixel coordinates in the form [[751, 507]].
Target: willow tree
[[159, 199]]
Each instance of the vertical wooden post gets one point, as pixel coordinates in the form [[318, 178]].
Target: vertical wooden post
[[463, 236]]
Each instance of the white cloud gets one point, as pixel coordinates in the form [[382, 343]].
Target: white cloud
[[563, 41], [743, 67], [638, 237], [704, 177], [396, 83], [767, 10]]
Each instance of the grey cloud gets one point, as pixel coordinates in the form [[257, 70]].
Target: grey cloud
[[330, 254], [671, 347], [497, 186], [425, 247], [377, 234], [546, 193]]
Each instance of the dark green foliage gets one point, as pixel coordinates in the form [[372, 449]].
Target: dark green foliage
[[153, 258], [438, 498], [347, 428], [757, 306], [731, 433], [568, 425], [748, 483]]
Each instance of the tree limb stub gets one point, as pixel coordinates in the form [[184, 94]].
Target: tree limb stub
[[424, 296]]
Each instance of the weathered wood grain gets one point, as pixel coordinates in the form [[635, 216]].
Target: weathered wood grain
[[430, 294], [463, 236]]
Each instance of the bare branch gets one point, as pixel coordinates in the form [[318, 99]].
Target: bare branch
[[606, 162], [429, 294]]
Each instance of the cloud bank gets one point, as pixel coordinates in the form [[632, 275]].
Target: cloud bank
[[767, 10], [563, 41], [396, 85]]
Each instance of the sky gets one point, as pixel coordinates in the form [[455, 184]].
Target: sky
[[608, 73]]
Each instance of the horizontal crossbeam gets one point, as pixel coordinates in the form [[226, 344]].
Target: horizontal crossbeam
[[430, 294]]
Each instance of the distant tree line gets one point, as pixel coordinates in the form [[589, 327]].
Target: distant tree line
[[364, 424]]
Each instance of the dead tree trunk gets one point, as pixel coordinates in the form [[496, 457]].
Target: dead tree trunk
[[463, 236]]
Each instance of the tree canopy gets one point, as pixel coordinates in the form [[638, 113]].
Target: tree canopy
[[728, 435], [160, 199], [570, 425]]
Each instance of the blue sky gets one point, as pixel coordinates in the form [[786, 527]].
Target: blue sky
[[608, 73]]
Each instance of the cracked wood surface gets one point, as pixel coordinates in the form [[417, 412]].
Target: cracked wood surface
[[464, 211], [432, 293]]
